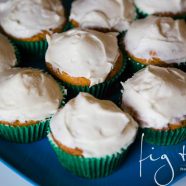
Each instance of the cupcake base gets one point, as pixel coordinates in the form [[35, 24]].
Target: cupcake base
[[24, 134], [98, 90], [164, 137], [88, 167]]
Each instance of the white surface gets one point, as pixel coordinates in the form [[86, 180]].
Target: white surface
[[9, 177], [181, 182]]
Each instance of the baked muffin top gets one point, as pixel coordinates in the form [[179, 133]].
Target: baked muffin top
[[83, 53], [105, 14], [157, 38], [156, 96], [25, 19], [28, 95], [97, 127]]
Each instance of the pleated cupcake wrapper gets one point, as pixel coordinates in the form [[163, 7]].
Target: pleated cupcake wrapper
[[24, 134], [142, 14], [32, 47], [164, 137], [29, 133], [135, 66], [88, 167], [97, 90]]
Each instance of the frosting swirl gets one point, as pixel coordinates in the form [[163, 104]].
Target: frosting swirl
[[107, 14], [25, 19], [7, 54], [83, 53], [157, 37], [97, 127], [27, 95], [161, 6], [157, 96]]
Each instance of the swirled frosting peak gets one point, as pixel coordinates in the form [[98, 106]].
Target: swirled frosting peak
[[156, 96], [83, 53], [97, 127], [157, 37], [161, 6], [25, 19], [27, 95], [7, 54], [107, 14]]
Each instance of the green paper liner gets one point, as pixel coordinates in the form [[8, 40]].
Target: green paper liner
[[34, 48], [134, 66], [88, 167], [164, 137], [141, 14], [100, 89], [29, 133], [24, 134]]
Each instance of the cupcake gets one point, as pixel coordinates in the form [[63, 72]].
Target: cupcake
[[103, 15], [91, 136], [28, 22], [156, 98], [85, 60], [28, 99], [9, 56], [157, 41], [173, 8]]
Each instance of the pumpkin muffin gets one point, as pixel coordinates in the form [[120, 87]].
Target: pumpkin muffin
[[102, 15], [156, 98], [84, 59], [28, 99], [91, 136], [172, 8], [28, 22], [157, 41]]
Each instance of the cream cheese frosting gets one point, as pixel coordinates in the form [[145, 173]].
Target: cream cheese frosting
[[97, 127], [161, 6], [157, 96], [25, 19], [7, 54], [157, 37], [83, 53], [28, 95], [107, 14]]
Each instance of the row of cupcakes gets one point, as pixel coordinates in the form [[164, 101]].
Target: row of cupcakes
[[28, 22]]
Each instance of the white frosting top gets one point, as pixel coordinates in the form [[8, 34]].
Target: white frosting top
[[25, 19], [109, 14], [157, 95], [28, 94], [97, 127], [157, 37], [161, 6], [7, 54], [87, 53]]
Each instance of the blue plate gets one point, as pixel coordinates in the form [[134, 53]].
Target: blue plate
[[38, 162]]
